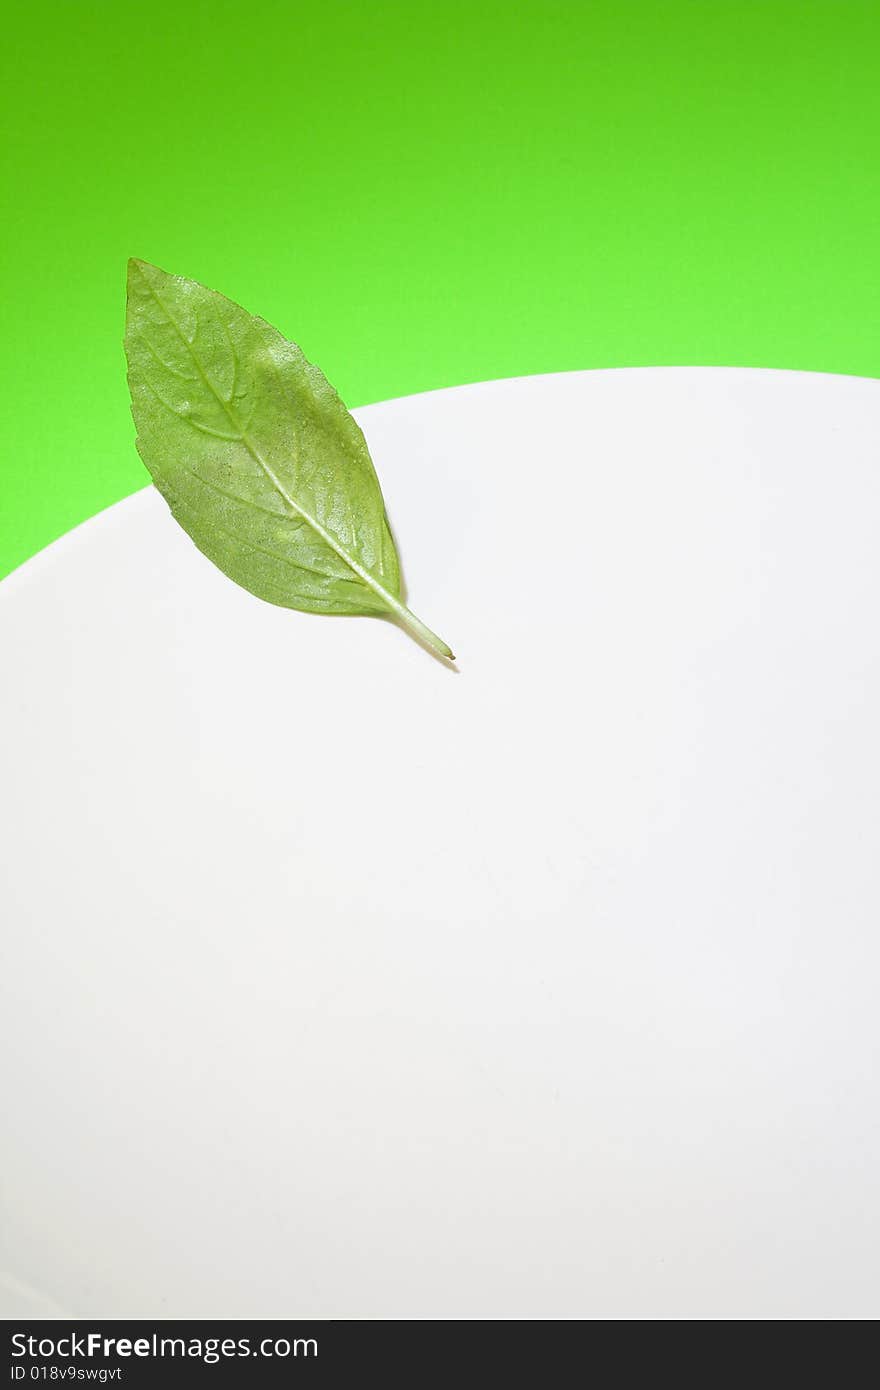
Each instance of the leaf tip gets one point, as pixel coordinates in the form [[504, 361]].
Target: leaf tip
[[141, 270]]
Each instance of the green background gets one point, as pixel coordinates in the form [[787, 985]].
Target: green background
[[426, 194]]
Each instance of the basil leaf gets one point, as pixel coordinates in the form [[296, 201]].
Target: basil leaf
[[256, 455]]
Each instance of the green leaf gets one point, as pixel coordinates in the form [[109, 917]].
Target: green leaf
[[256, 455]]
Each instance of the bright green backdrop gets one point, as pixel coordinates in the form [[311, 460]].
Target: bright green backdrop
[[428, 193]]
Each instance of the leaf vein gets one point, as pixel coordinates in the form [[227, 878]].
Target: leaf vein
[[271, 554], [189, 419]]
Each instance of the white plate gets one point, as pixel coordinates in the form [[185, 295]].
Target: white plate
[[340, 984]]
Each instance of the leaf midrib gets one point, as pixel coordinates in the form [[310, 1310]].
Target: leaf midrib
[[266, 511]]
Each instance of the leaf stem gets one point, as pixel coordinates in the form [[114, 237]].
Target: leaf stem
[[419, 629]]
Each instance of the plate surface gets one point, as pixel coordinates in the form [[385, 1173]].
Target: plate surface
[[340, 984]]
